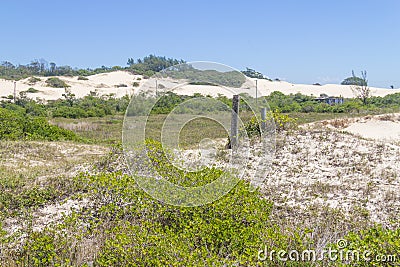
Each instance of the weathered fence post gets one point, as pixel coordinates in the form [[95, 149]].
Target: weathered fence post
[[263, 119], [235, 122]]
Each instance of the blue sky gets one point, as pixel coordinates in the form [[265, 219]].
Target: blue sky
[[298, 41]]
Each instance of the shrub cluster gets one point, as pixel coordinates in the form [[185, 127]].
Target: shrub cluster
[[56, 83], [16, 125]]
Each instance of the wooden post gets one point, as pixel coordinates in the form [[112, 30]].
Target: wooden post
[[235, 122], [263, 119]]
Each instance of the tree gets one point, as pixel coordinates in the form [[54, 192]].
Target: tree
[[361, 89], [69, 96], [53, 67], [253, 73], [353, 80], [131, 61]]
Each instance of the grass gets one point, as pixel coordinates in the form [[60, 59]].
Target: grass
[[34, 173], [108, 130]]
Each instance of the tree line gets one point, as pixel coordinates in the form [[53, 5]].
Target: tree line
[[40, 67]]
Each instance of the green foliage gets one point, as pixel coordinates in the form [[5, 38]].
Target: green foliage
[[307, 104], [56, 83], [196, 76], [151, 64], [70, 112], [254, 74], [380, 242], [41, 248], [83, 78], [354, 80], [228, 231], [282, 122], [33, 80], [170, 100], [32, 90], [17, 125]]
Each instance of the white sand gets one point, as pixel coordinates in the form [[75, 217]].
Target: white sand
[[384, 127], [377, 128], [106, 84]]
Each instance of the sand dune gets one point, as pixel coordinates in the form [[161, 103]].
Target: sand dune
[[104, 84], [384, 127], [109, 83]]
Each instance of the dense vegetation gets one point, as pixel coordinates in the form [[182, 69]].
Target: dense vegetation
[[254, 74], [302, 103], [146, 66], [354, 80], [291, 106], [91, 105], [17, 125], [56, 83]]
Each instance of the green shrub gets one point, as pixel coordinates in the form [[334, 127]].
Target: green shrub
[[33, 80], [11, 125], [282, 122], [83, 78], [69, 112], [32, 90], [378, 241], [56, 83], [229, 231], [135, 84], [17, 126]]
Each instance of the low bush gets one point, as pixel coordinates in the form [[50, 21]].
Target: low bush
[[282, 122], [83, 78], [32, 90], [382, 244], [56, 83], [16, 125], [33, 80]]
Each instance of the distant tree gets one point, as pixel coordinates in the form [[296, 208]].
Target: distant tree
[[69, 96], [353, 80], [361, 89], [151, 64], [7, 65], [131, 61], [52, 68], [253, 74]]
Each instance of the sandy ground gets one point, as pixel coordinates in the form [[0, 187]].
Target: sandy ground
[[103, 84], [377, 129], [349, 164], [107, 83], [384, 127]]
